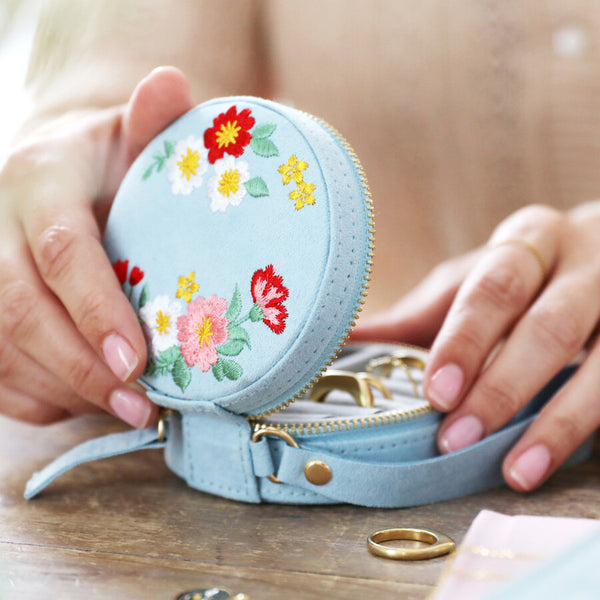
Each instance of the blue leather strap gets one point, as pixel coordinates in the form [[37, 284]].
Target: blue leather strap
[[395, 485], [104, 447], [379, 467]]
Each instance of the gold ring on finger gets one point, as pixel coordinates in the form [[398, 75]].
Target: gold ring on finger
[[532, 250]]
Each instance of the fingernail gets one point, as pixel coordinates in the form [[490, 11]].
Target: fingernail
[[119, 356], [529, 469], [445, 386], [462, 433], [130, 407]]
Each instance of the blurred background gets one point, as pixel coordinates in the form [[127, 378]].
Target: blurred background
[[17, 26]]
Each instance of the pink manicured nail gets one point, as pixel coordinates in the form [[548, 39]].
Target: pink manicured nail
[[119, 355], [130, 407], [462, 433], [445, 386], [529, 469]]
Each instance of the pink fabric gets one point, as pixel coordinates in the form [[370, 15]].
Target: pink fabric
[[499, 548]]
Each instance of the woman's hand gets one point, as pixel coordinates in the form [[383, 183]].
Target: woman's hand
[[69, 340], [535, 286]]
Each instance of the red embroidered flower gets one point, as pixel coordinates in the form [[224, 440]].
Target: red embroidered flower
[[136, 276], [121, 267], [269, 293], [202, 330], [229, 133]]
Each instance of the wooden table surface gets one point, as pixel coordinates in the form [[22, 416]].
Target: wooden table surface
[[127, 528]]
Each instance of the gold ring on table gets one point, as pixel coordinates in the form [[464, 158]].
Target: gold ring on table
[[439, 543], [531, 249]]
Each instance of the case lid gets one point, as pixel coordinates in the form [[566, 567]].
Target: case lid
[[242, 235]]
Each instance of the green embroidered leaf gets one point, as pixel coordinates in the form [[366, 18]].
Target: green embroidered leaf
[[144, 295], [231, 348], [257, 187], [148, 172], [231, 369], [218, 371], [169, 148], [160, 164], [256, 313], [235, 306], [182, 374], [167, 357], [264, 131], [157, 156], [150, 369], [239, 333], [264, 147]]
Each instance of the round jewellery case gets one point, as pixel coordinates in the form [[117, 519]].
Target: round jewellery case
[[243, 236]]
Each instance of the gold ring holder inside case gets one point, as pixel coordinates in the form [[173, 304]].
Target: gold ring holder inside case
[[348, 394]]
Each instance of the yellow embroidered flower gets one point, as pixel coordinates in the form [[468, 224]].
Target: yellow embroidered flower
[[293, 170], [303, 194], [187, 287]]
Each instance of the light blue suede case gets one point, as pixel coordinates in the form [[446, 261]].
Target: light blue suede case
[[242, 236]]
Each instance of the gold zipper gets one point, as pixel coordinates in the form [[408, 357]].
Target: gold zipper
[[367, 277], [350, 424]]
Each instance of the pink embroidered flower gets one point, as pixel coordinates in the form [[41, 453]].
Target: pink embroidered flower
[[230, 133], [202, 330], [136, 276], [121, 267], [269, 293]]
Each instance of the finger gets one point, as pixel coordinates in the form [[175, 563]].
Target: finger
[[545, 339], [562, 426], [36, 323], [418, 316], [16, 405], [493, 296], [65, 243], [159, 99], [24, 375]]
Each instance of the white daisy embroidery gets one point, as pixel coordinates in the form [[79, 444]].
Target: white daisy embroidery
[[160, 317], [186, 165], [227, 186]]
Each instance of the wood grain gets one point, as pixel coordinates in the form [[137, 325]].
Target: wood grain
[[127, 528]]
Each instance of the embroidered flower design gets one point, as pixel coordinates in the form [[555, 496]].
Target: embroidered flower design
[[135, 276], [229, 134], [187, 287], [202, 330], [213, 332], [186, 165], [121, 267], [160, 317], [303, 194], [293, 170], [269, 293], [227, 186]]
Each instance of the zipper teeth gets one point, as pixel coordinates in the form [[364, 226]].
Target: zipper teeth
[[300, 429], [366, 192]]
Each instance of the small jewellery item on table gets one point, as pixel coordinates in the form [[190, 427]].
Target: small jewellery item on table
[[211, 594], [439, 543]]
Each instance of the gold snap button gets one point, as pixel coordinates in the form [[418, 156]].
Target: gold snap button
[[317, 472]]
